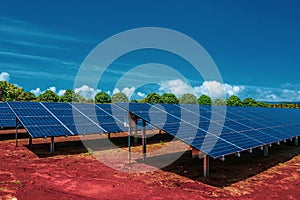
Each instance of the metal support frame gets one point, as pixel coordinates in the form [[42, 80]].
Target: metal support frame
[[30, 141], [108, 135], [296, 141], [17, 127], [134, 122], [196, 153], [266, 151], [144, 142], [52, 145], [129, 134], [205, 166]]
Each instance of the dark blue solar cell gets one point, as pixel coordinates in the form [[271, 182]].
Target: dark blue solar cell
[[47, 131], [241, 140], [73, 118], [214, 146], [7, 117], [261, 136], [290, 130], [102, 114], [37, 120]]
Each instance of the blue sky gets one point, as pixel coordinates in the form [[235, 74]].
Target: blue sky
[[255, 44]]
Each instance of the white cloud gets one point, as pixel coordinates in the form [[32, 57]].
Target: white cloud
[[61, 92], [36, 92], [4, 76], [140, 94], [177, 87], [53, 88], [214, 89], [128, 91], [116, 90], [87, 91]]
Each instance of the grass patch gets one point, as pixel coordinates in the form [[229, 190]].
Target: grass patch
[[90, 151], [17, 182]]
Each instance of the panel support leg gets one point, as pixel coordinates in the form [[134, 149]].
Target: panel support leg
[[52, 145], [205, 166], [108, 136], [144, 140], [17, 127], [266, 151], [129, 135], [296, 141], [16, 136], [30, 141], [135, 131]]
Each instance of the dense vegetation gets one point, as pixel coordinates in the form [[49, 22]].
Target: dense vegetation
[[11, 92]]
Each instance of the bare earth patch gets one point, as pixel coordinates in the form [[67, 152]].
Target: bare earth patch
[[72, 173]]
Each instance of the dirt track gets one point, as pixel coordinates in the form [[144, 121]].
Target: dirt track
[[71, 173]]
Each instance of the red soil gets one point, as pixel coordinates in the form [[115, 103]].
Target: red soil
[[71, 173]]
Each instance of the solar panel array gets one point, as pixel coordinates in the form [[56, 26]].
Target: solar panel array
[[37, 120], [7, 117], [210, 131], [43, 119], [73, 119]]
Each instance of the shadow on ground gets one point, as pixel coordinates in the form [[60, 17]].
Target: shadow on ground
[[222, 173], [233, 169], [69, 146]]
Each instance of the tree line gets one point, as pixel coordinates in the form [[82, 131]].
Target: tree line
[[11, 92]]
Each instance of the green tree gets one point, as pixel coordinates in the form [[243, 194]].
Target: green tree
[[26, 96], [219, 102], [188, 99], [262, 104], [71, 96], [49, 96], [152, 98], [249, 102], [234, 101], [119, 97], [134, 101], [89, 101], [169, 98], [102, 97], [204, 100], [10, 91]]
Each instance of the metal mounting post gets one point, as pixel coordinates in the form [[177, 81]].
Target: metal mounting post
[[17, 126], [144, 140], [30, 141], [129, 134], [134, 121], [52, 145], [266, 151], [205, 166]]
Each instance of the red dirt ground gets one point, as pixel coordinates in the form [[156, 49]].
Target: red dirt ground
[[71, 173]]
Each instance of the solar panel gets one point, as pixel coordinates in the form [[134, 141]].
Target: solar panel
[[37, 120], [73, 118], [7, 117], [119, 116], [103, 118], [169, 118], [210, 131], [252, 130]]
